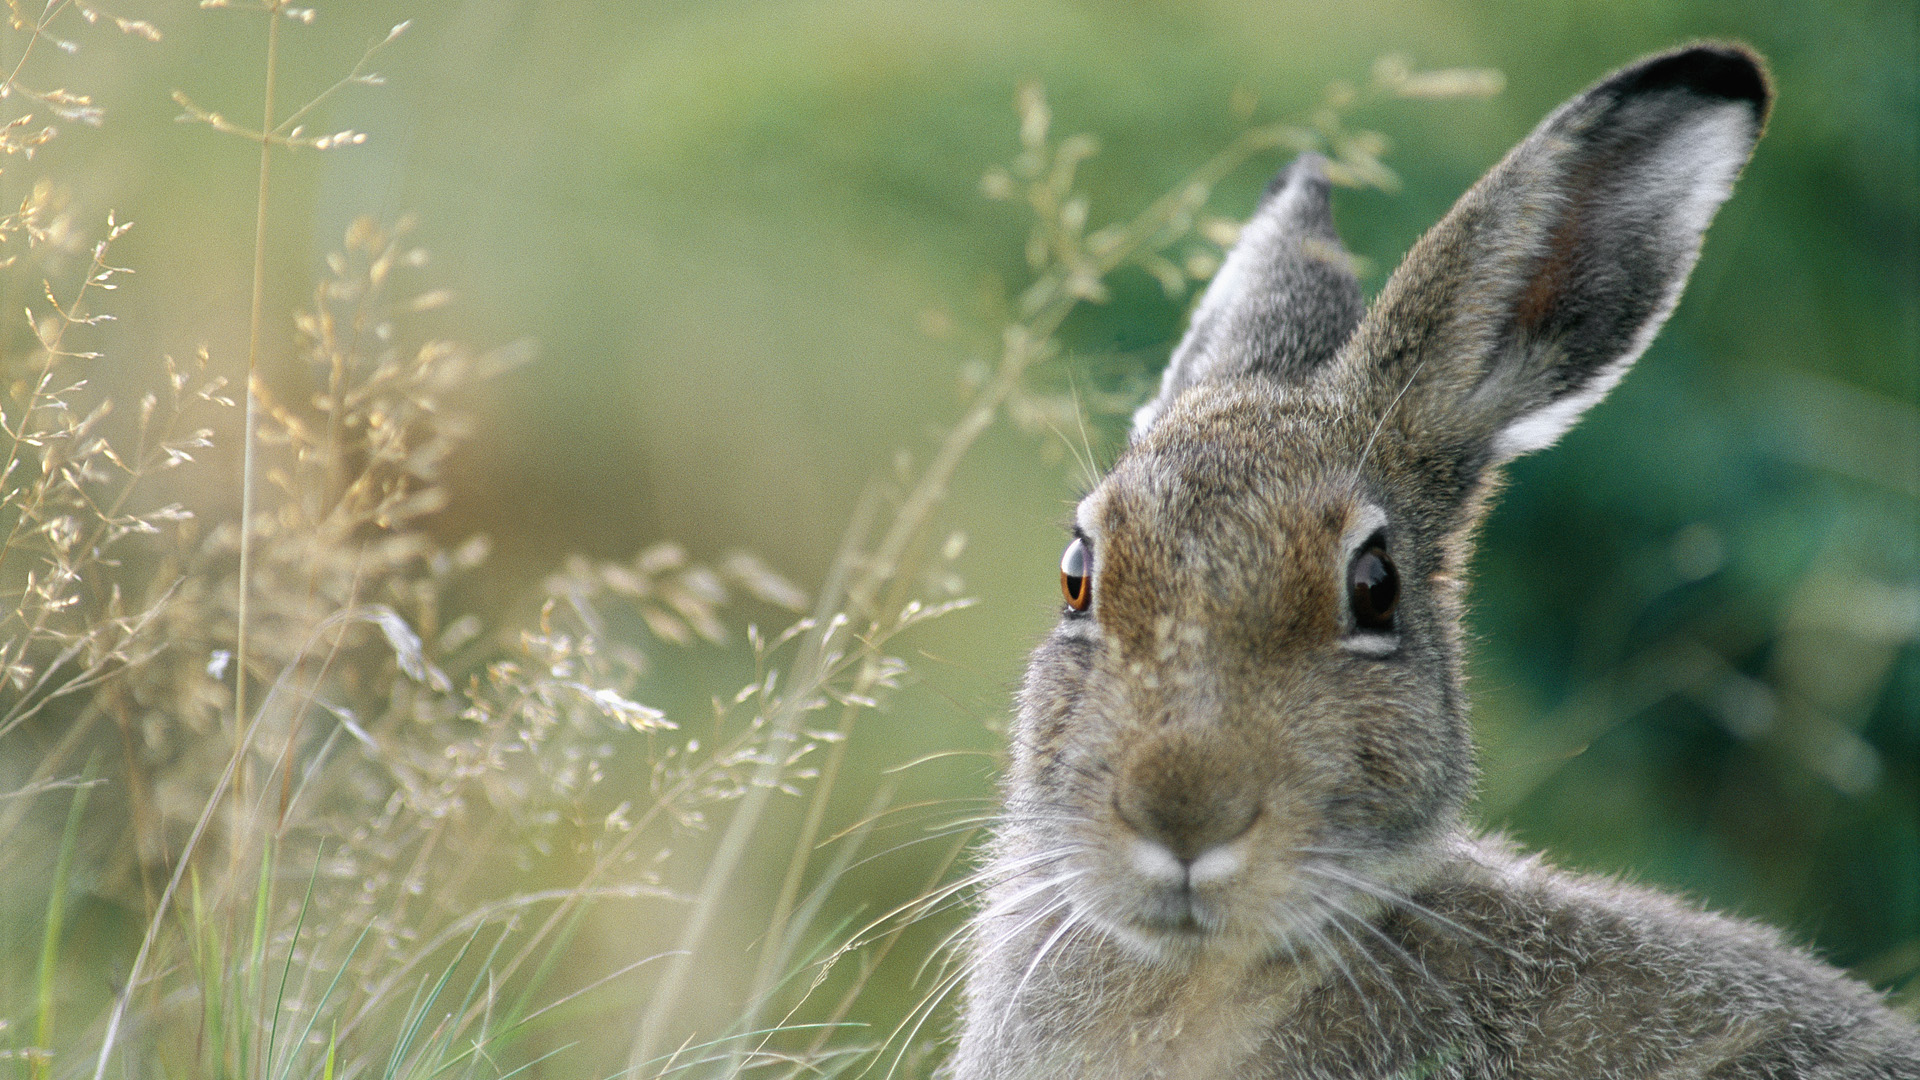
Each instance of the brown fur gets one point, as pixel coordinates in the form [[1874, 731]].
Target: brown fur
[[1233, 841]]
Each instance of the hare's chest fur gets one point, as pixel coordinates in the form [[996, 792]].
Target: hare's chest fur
[[1090, 1011], [1211, 1026]]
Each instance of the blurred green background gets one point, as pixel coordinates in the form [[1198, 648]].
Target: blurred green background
[[749, 243]]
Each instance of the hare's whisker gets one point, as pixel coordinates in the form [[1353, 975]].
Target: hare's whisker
[[1067, 923], [924, 1008], [1330, 954], [937, 899], [1336, 911], [1401, 900]]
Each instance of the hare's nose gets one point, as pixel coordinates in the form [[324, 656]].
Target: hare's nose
[[1169, 793]]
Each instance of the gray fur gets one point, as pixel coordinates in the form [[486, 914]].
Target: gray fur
[[1281, 305], [1234, 841]]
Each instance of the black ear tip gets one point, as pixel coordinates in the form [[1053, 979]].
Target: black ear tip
[[1717, 69], [1308, 168]]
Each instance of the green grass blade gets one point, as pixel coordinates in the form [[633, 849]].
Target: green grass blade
[[404, 1047], [399, 1052], [545, 968], [538, 1060], [313, 1014], [205, 945], [439, 1053], [508, 1028], [273, 1029], [56, 918], [256, 958]]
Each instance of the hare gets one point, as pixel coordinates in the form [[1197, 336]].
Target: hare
[[1233, 842]]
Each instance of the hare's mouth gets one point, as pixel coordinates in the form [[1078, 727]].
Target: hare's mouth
[[1177, 914], [1165, 935], [1164, 920], [1229, 902]]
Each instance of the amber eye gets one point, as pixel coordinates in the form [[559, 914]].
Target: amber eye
[[1373, 586], [1075, 580]]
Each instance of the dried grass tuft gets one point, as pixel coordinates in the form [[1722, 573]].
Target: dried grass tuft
[[333, 777]]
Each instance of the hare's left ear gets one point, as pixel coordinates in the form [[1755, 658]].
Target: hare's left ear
[[1281, 305], [1547, 280]]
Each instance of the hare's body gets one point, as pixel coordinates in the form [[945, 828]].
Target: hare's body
[[1234, 844]]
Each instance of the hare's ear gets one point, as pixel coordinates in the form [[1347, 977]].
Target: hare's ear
[[1281, 305], [1530, 299]]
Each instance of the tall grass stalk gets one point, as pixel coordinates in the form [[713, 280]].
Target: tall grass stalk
[[245, 724], [255, 321], [407, 737]]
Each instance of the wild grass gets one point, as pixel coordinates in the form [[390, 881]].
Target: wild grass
[[315, 757], [312, 785]]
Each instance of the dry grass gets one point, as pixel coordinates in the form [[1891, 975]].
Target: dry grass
[[309, 775]]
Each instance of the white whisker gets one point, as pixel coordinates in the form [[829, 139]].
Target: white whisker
[[937, 899], [924, 1009], [1331, 954], [1401, 900], [1067, 923], [973, 926], [1386, 977]]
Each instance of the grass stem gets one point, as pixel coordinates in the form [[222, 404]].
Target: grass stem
[[255, 319]]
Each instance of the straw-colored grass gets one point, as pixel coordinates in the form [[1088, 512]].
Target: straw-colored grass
[[320, 767]]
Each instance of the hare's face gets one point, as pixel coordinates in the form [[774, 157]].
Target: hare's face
[[1253, 708], [1249, 722]]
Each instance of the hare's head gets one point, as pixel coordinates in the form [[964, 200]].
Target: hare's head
[[1250, 717]]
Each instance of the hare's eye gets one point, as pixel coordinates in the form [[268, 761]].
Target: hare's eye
[[1373, 587], [1075, 579]]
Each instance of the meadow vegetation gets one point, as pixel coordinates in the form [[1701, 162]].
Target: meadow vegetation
[[281, 797]]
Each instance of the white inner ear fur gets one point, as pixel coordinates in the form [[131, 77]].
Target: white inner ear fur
[[1678, 187], [1367, 519]]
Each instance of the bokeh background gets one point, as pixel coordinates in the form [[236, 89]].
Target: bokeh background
[[749, 244]]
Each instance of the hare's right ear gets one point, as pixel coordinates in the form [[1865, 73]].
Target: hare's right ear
[[1548, 279], [1281, 305]]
